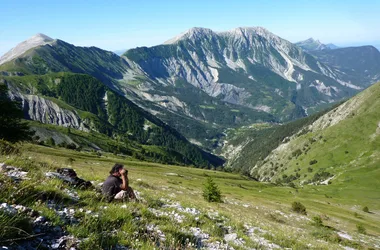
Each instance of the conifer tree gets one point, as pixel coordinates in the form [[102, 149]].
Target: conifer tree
[[12, 128], [211, 191]]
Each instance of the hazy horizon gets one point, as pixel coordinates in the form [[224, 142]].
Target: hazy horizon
[[122, 25]]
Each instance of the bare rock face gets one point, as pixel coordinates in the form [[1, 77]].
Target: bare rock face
[[45, 111], [36, 40], [234, 66]]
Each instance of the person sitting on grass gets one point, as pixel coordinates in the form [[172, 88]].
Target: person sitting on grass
[[118, 188]]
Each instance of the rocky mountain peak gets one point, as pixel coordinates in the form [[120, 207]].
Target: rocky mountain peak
[[311, 40], [34, 41], [312, 44], [193, 34], [249, 31], [40, 37], [240, 33], [247, 34]]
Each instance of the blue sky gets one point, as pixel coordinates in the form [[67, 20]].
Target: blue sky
[[125, 24]]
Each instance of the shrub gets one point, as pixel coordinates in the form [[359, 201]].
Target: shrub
[[317, 221], [50, 142], [312, 162], [298, 207], [211, 192], [361, 229], [71, 146], [312, 140], [62, 144], [366, 209], [14, 226], [287, 179], [7, 148], [309, 169], [296, 153], [321, 176]]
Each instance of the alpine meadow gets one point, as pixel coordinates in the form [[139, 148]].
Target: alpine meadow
[[224, 138]]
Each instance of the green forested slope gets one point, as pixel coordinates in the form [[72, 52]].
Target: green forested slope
[[112, 114]]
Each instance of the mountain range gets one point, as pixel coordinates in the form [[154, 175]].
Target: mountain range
[[200, 83], [248, 67]]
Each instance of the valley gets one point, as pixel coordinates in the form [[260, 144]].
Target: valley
[[289, 133]]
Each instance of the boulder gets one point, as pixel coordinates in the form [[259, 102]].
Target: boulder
[[15, 173], [230, 237], [69, 176]]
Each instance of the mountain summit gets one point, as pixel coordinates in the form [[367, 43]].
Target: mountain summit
[[193, 33], [312, 44], [34, 41], [247, 66], [198, 33]]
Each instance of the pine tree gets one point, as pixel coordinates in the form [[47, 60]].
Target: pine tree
[[12, 128], [211, 191]]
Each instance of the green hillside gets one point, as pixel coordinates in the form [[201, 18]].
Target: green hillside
[[257, 141], [61, 56], [115, 116], [340, 148]]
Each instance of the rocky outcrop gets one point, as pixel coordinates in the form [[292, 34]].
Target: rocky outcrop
[[46, 111], [69, 176]]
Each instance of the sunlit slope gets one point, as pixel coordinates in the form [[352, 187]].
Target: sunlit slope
[[342, 146]]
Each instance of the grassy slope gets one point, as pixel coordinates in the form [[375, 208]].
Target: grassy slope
[[246, 202], [348, 150], [258, 140]]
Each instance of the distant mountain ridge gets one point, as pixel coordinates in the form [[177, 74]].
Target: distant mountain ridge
[[244, 66], [203, 82], [354, 63], [314, 45]]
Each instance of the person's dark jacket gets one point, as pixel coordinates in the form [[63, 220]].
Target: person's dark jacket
[[111, 187]]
